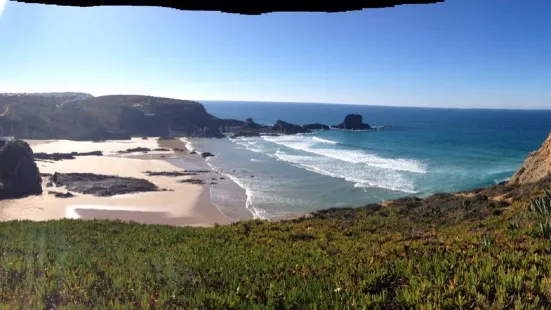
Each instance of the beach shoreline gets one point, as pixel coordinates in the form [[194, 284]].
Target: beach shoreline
[[181, 204]]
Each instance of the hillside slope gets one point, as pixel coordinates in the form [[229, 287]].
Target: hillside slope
[[105, 117], [446, 252]]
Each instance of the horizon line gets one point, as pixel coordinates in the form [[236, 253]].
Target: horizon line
[[373, 105], [288, 101]]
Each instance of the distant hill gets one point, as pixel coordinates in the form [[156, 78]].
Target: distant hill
[[67, 95], [80, 116]]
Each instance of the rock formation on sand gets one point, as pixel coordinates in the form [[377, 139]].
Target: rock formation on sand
[[101, 185], [353, 122], [62, 156], [19, 175], [536, 166]]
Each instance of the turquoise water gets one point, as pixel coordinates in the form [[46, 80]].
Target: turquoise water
[[417, 151]]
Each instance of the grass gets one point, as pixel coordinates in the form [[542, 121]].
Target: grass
[[393, 257]]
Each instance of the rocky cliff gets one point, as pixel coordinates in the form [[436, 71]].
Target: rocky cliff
[[536, 166], [19, 175]]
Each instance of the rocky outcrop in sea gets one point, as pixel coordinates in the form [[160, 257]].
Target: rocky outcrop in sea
[[353, 122], [252, 129], [288, 128]]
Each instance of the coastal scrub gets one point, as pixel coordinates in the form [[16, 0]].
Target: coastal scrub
[[392, 257]]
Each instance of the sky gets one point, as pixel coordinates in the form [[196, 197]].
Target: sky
[[460, 53]]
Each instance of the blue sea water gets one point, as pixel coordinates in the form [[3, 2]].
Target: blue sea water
[[417, 151]]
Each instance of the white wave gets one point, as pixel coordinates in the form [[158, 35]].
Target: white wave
[[501, 180], [324, 140], [255, 160], [251, 147], [391, 180], [188, 144], [351, 156]]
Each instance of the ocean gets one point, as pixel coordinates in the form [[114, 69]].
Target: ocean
[[416, 151]]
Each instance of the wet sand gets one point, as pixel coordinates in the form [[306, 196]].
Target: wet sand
[[183, 205]]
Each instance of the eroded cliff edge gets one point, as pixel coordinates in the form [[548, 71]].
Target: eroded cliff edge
[[536, 166]]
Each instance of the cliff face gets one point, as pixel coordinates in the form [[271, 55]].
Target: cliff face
[[536, 166]]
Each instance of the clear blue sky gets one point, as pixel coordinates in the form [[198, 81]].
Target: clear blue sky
[[461, 53]]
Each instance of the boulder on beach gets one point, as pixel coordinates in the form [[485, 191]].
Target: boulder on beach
[[206, 154], [192, 181], [19, 175], [135, 150], [61, 195], [353, 122], [62, 156]]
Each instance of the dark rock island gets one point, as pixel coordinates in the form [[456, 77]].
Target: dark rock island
[[353, 122], [252, 129]]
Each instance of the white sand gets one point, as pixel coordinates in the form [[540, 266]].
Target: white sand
[[187, 204]]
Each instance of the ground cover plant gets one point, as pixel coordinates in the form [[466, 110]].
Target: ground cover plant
[[449, 252]]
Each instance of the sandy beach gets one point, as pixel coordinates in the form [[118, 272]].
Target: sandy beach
[[183, 204]]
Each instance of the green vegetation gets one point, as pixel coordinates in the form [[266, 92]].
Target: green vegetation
[[408, 254]]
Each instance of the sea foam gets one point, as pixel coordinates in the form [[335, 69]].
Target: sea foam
[[351, 156]]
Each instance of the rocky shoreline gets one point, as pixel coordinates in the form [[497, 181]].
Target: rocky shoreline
[[352, 122]]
